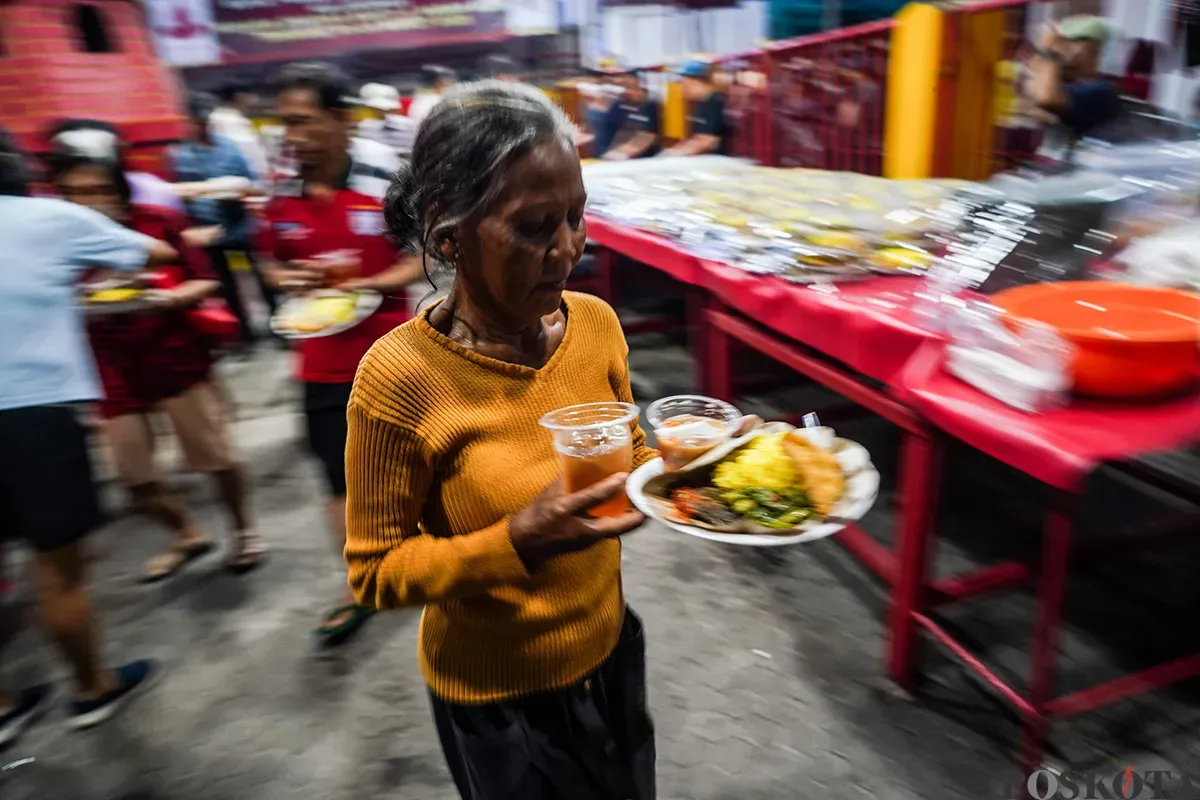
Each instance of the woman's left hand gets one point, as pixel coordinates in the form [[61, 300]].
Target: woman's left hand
[[555, 522]]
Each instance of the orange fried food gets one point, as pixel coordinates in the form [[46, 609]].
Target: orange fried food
[[819, 472]]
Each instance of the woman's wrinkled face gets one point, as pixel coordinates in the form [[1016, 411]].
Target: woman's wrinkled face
[[517, 258]]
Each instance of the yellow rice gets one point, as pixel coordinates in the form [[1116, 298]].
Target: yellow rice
[[762, 463]]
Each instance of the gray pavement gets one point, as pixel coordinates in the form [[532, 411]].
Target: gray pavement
[[765, 667]]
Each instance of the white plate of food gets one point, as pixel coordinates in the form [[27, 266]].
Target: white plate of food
[[326, 312], [776, 485], [102, 299]]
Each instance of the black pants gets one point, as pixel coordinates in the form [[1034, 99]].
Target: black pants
[[325, 424], [590, 741], [47, 494], [231, 292]]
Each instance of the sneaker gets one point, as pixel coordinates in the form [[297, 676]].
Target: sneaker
[[131, 678], [31, 704]]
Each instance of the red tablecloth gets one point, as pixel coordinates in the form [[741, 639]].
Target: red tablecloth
[[654, 251], [865, 324], [1060, 447]]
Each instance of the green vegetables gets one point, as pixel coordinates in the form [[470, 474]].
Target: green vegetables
[[768, 508]]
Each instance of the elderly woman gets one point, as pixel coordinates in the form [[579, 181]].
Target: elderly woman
[[455, 502]]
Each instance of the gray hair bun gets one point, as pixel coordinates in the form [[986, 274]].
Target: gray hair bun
[[459, 158]]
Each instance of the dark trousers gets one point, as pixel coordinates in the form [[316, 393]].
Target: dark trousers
[[590, 741], [233, 294]]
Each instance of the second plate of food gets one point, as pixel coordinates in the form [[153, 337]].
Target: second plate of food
[[323, 313], [777, 485]]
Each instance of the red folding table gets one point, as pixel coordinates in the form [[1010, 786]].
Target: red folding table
[[860, 341], [1059, 448]]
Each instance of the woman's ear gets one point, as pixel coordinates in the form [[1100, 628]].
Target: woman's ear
[[449, 249]]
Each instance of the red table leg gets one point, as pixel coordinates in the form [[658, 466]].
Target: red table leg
[[920, 474], [1052, 583], [718, 374], [606, 264], [697, 332]]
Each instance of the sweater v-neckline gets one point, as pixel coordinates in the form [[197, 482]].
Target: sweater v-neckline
[[495, 364]]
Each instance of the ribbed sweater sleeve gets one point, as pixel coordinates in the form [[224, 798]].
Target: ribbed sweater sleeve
[[392, 563], [618, 378]]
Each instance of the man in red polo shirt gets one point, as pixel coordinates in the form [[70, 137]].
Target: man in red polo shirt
[[334, 206]]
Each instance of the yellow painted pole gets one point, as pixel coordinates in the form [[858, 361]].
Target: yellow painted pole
[[674, 122], [910, 119], [980, 57]]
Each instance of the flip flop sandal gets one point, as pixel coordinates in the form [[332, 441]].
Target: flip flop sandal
[[331, 637], [248, 557], [180, 558]]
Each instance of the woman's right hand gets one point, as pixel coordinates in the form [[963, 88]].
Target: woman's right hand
[[554, 523]]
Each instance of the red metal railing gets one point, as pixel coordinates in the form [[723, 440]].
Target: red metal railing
[[815, 101], [826, 97], [742, 77]]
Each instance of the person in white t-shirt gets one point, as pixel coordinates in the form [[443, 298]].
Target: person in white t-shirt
[[442, 79], [229, 120]]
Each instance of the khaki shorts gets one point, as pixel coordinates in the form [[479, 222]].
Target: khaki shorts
[[198, 417]]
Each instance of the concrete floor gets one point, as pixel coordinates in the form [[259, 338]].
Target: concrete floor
[[765, 667]]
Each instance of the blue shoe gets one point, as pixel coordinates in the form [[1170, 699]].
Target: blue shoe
[[31, 704], [131, 678]]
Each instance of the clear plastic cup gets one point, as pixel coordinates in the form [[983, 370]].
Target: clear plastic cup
[[686, 426], [593, 441]]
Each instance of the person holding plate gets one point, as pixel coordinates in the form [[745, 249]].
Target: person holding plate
[[327, 231], [48, 496], [203, 158], [159, 360], [455, 498]]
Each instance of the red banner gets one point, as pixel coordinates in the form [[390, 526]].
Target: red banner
[[270, 30]]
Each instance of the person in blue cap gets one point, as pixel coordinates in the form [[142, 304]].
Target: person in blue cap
[[709, 132]]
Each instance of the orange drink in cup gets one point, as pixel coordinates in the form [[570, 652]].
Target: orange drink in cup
[[686, 426], [593, 441]]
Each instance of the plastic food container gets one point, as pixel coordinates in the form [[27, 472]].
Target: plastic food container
[[686, 426], [1129, 341]]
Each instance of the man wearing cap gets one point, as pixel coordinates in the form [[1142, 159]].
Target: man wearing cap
[[441, 80], [1067, 87], [378, 104], [706, 114]]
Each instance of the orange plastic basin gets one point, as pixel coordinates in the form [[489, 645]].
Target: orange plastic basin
[[1130, 341]]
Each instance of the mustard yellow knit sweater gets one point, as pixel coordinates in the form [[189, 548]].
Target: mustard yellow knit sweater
[[444, 447]]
